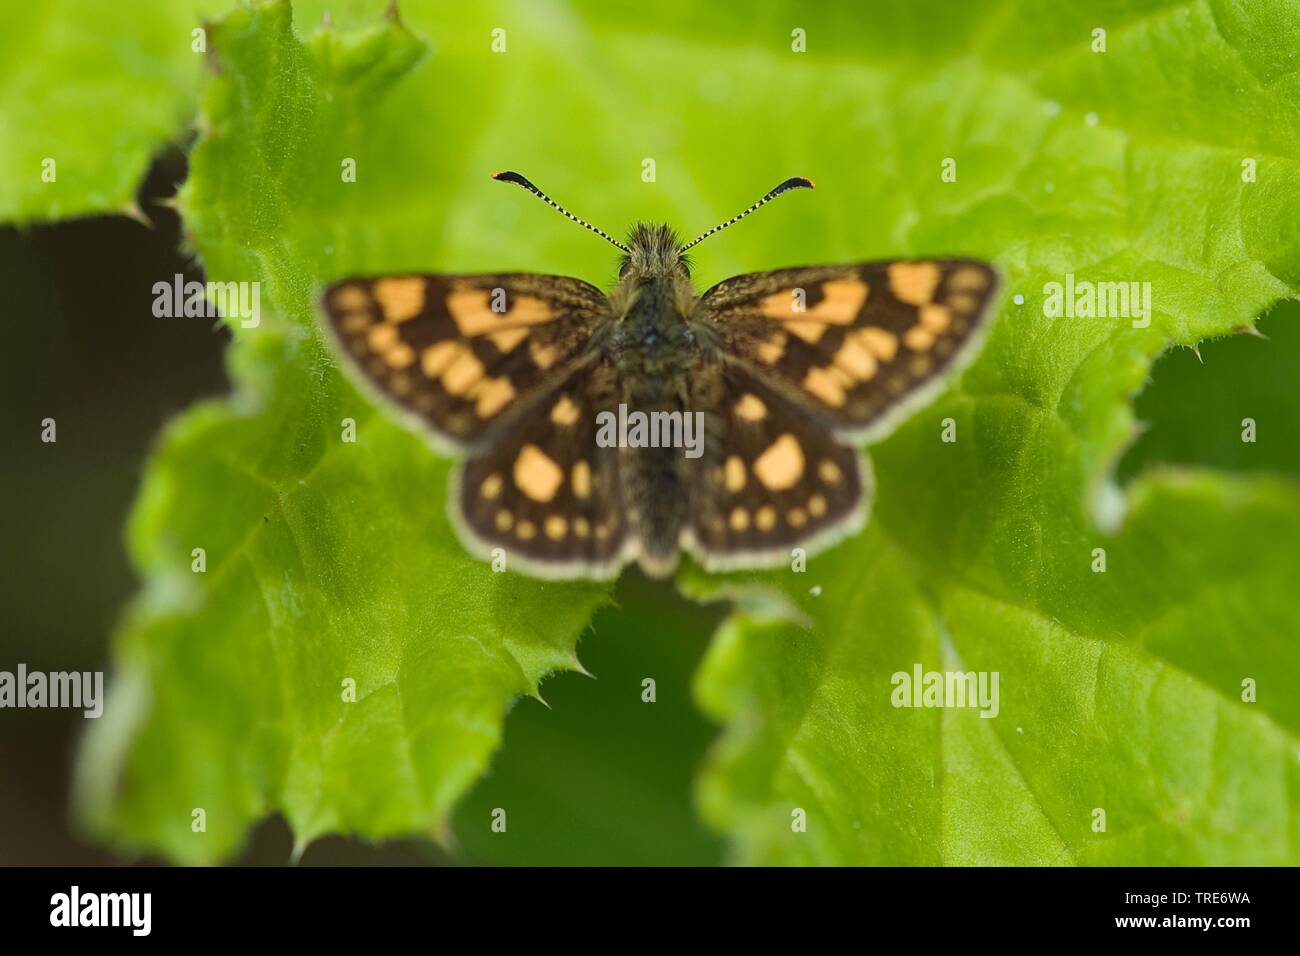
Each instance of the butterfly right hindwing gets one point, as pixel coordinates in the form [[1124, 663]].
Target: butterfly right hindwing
[[778, 479]]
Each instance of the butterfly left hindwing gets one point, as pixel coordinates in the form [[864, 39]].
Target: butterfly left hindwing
[[547, 492], [463, 352]]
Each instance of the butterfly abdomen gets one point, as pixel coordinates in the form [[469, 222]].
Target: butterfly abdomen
[[653, 349]]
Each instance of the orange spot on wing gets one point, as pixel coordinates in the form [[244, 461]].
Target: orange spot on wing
[[382, 337], [841, 301], [401, 299], [914, 282], [810, 332], [471, 310], [856, 360], [462, 374], [581, 479], [507, 339], [435, 359], [879, 342], [936, 318], [734, 473], [840, 304], [969, 279], [400, 355], [564, 411], [492, 395], [825, 385], [781, 466], [771, 350], [536, 474], [350, 298], [543, 355], [918, 338], [751, 408]]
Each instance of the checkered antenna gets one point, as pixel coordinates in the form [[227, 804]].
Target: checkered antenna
[[794, 182], [512, 177]]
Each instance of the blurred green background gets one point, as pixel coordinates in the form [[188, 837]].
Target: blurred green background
[[612, 784]]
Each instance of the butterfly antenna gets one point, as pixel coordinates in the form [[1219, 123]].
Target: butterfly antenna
[[794, 182], [512, 177]]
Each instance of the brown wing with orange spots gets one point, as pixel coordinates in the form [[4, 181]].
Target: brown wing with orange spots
[[855, 344], [464, 353], [547, 493], [776, 479]]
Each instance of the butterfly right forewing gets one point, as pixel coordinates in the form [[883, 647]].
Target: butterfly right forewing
[[854, 344]]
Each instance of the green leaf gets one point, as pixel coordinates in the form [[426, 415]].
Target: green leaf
[[327, 560], [1120, 691], [95, 88]]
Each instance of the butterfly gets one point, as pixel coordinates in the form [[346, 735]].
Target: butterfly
[[597, 429]]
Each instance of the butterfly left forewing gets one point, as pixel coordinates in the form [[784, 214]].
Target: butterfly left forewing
[[859, 344], [462, 353]]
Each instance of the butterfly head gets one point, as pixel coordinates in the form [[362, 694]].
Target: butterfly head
[[654, 251]]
